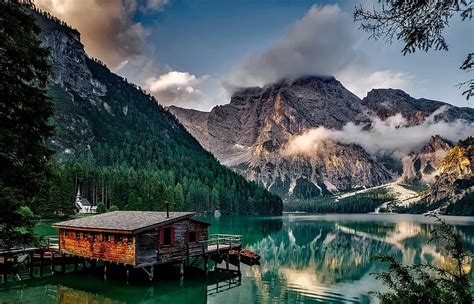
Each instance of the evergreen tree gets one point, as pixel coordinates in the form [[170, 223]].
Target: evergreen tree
[[24, 129]]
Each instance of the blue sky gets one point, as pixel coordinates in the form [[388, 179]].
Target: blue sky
[[190, 52]]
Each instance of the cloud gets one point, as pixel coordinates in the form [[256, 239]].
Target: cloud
[[392, 136], [361, 83], [107, 28], [155, 4], [324, 42], [177, 88]]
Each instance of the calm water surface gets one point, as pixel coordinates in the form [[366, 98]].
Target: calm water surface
[[305, 259]]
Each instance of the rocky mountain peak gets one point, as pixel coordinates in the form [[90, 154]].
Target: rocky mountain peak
[[251, 135], [388, 102], [456, 172]]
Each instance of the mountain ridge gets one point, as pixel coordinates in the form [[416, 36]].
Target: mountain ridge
[[249, 132]]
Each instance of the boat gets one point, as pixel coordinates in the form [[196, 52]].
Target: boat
[[246, 256]]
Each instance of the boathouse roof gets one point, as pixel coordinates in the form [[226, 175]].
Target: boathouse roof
[[124, 221]]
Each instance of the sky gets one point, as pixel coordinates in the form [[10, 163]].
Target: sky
[[194, 54]]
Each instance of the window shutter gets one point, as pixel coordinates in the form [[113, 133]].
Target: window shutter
[[172, 236], [162, 236]]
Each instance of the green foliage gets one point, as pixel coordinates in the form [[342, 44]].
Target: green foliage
[[424, 283], [113, 208], [142, 157], [463, 206], [358, 203], [24, 113], [101, 208], [419, 25]]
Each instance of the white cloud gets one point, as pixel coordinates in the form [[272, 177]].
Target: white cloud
[[324, 42], [177, 88], [107, 28], [361, 83], [155, 4], [392, 136]]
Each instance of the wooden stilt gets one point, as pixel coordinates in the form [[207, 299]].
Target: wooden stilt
[[105, 270], [181, 268], [152, 271], [4, 270], [206, 259], [41, 263], [238, 263], [30, 264], [227, 261], [52, 262], [128, 273]]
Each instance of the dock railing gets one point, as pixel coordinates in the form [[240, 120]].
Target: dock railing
[[222, 241]]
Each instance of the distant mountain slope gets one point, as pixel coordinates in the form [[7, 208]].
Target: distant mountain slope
[[252, 133], [123, 148], [248, 134], [388, 102], [456, 173]]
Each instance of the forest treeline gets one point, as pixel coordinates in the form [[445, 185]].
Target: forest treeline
[[119, 146], [135, 155]]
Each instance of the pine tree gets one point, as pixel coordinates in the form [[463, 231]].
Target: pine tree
[[24, 129]]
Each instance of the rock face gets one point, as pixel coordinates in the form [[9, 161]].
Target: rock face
[[423, 165], [455, 172], [250, 133], [387, 102]]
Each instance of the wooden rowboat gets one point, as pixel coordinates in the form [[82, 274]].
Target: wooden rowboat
[[246, 256]]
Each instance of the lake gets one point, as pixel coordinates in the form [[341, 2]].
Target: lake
[[305, 259]]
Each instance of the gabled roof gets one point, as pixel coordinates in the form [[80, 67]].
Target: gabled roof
[[84, 201], [124, 221]]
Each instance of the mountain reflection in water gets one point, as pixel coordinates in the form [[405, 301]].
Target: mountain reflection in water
[[305, 259]]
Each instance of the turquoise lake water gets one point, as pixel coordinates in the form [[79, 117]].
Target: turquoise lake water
[[305, 259]]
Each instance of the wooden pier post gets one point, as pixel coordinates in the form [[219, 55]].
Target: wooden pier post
[[238, 262], [128, 273], [30, 264], [206, 260], [105, 270], [76, 266], [181, 268], [227, 261], [41, 263], [52, 262], [4, 271]]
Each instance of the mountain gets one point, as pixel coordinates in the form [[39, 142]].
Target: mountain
[[252, 135], [455, 173], [121, 147]]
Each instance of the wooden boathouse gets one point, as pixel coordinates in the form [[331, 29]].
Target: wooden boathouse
[[144, 239]]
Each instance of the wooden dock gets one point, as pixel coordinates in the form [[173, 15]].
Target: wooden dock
[[19, 263]]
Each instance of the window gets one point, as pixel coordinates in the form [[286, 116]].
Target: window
[[78, 235], [192, 236], [167, 236], [118, 238], [66, 234], [106, 237], [94, 236], [129, 240], [86, 235]]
